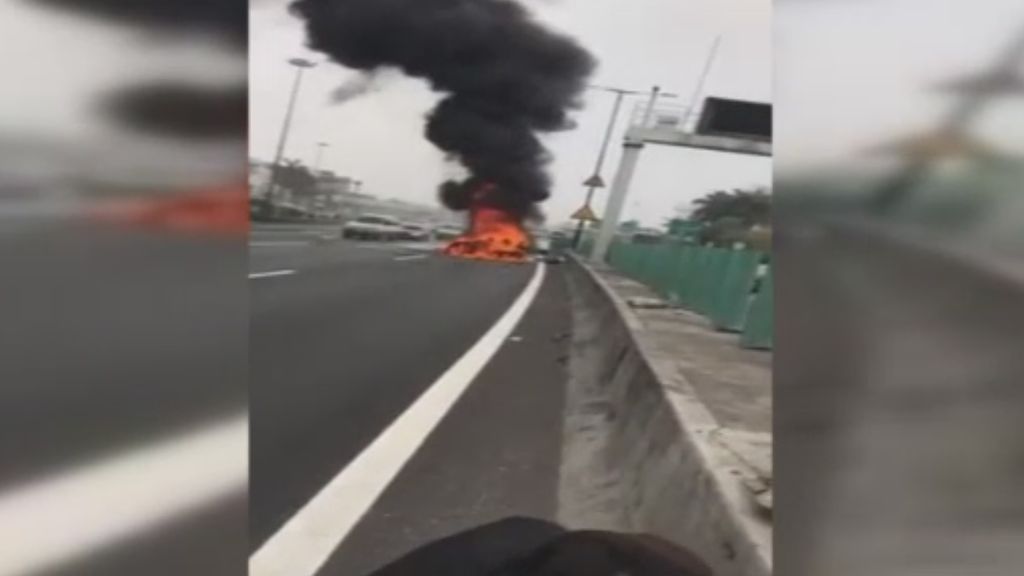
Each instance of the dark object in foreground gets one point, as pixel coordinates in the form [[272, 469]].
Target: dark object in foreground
[[527, 547]]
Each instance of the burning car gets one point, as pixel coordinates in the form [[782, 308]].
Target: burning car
[[494, 234]]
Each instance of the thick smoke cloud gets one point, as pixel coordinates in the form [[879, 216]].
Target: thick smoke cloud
[[175, 108], [181, 110], [505, 78]]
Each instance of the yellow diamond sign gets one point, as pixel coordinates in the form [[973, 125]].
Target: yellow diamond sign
[[585, 214]]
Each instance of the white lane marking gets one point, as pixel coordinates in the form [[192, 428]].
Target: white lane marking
[[309, 537], [410, 257], [61, 518], [271, 274], [278, 243]]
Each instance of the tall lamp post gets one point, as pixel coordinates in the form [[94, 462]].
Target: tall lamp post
[[300, 65], [595, 181], [319, 156]]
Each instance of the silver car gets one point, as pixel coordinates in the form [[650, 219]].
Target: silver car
[[373, 227]]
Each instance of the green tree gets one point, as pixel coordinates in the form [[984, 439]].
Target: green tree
[[629, 226], [729, 216], [749, 206], [294, 176]]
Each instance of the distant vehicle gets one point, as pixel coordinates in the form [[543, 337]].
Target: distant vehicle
[[541, 247], [415, 232], [447, 232], [373, 227], [542, 244]]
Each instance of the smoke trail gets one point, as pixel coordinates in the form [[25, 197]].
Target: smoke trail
[[355, 87], [506, 79]]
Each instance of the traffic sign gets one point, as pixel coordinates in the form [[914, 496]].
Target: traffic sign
[[594, 181], [585, 213]]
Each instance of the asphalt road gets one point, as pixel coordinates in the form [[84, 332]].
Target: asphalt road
[[122, 342], [898, 403], [349, 338], [114, 341]]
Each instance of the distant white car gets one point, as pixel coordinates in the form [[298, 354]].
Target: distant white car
[[373, 227], [415, 232], [542, 244], [542, 248], [447, 232]]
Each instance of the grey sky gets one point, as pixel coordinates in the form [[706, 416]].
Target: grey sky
[[850, 74], [847, 73], [377, 137], [58, 67]]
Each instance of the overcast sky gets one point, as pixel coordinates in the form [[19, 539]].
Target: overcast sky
[[847, 74], [58, 68], [851, 74], [639, 43]]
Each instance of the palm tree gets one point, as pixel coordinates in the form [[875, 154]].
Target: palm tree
[[729, 216], [294, 176], [750, 207]]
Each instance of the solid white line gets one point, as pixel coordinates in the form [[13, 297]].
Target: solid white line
[[305, 542], [412, 257], [271, 274], [61, 518], [278, 243]]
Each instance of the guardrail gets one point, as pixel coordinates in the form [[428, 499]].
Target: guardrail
[[732, 288]]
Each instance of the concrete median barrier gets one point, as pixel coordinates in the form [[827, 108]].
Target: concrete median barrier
[[643, 453]]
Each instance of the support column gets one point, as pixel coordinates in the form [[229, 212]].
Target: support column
[[616, 199]]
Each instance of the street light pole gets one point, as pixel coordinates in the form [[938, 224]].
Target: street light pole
[[694, 99], [620, 94], [617, 196], [319, 156], [897, 187], [300, 66]]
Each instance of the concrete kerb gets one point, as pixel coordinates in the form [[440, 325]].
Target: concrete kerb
[[659, 466]]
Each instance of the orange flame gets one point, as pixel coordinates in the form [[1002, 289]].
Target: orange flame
[[218, 210], [493, 235]]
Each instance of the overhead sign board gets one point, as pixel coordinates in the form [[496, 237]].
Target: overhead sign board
[[736, 118]]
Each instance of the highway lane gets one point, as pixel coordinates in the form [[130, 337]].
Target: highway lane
[[496, 454], [264, 235], [342, 346], [348, 340], [898, 403], [111, 337], [123, 358], [119, 344]]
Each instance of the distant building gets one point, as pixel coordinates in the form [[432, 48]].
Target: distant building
[[259, 179], [339, 197]]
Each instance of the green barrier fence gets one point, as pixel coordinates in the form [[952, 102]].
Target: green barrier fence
[[759, 325], [714, 282], [683, 274], [729, 307]]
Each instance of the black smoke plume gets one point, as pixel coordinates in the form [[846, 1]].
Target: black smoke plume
[[505, 77], [175, 109], [181, 110]]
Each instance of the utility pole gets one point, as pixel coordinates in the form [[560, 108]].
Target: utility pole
[[617, 197], [1001, 79], [596, 181], [699, 88], [300, 66], [319, 156]]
